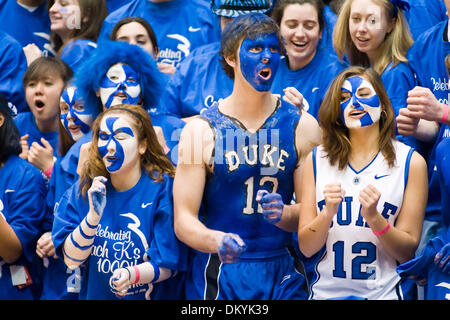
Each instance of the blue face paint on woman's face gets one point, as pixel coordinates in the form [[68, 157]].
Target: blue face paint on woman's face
[[120, 85], [117, 144], [76, 117], [360, 106], [259, 60]]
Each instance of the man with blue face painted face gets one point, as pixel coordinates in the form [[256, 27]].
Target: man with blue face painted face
[[244, 157]]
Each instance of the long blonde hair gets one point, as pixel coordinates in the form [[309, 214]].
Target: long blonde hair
[[393, 49], [154, 160]]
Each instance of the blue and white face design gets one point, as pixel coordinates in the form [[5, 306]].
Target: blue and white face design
[[120, 85], [117, 143], [75, 116], [259, 60], [360, 105]]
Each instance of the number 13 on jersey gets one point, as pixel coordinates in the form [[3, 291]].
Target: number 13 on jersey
[[264, 181]]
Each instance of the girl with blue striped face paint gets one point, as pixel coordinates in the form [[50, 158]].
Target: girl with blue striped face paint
[[118, 144], [360, 106], [76, 117], [120, 85], [259, 60]]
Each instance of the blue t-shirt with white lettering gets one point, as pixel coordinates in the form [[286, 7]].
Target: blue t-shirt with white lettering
[[180, 26], [136, 226]]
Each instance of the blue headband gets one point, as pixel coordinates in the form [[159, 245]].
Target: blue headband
[[403, 5]]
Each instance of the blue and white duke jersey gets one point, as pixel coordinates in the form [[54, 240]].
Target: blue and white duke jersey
[[244, 163], [354, 262]]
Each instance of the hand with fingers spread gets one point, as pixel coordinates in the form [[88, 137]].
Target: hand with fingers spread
[[231, 247], [369, 197], [41, 156], [272, 205], [120, 281], [293, 96], [97, 197], [333, 194]]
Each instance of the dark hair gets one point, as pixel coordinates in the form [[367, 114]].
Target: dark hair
[[246, 26], [42, 67], [280, 6], [95, 11], [141, 21], [9, 134]]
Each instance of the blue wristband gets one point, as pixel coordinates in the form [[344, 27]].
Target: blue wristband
[[156, 272]]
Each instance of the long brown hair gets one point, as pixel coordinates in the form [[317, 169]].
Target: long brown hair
[[154, 161], [335, 139], [393, 49]]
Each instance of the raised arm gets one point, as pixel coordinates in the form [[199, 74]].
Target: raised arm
[[78, 245]]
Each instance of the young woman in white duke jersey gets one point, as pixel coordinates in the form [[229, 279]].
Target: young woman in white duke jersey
[[362, 208]]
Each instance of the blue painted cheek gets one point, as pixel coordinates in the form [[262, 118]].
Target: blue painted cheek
[[119, 154], [251, 63], [121, 87]]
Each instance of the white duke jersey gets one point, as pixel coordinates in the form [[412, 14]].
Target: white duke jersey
[[354, 262]]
